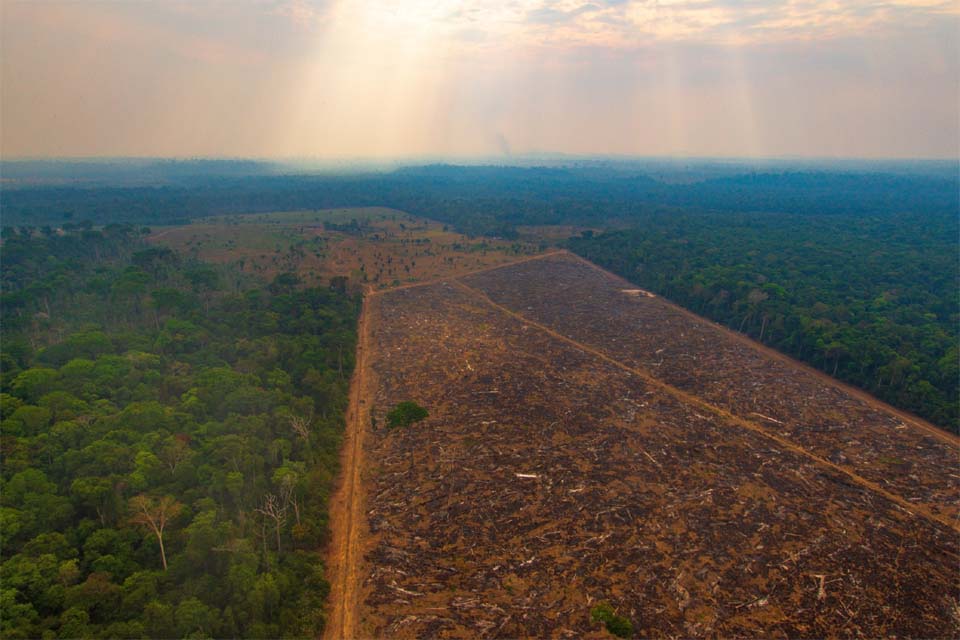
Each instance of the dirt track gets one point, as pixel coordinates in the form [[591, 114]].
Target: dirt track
[[498, 319], [347, 504]]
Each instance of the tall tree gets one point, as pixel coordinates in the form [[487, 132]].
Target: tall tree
[[155, 515]]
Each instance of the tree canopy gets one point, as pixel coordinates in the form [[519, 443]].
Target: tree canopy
[[169, 445]]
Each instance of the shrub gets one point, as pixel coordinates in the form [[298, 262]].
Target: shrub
[[405, 414], [617, 625]]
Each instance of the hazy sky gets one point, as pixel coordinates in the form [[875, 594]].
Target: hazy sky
[[372, 78]]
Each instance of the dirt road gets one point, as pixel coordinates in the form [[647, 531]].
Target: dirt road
[[347, 505]]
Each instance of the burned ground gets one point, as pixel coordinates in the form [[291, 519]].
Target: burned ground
[[552, 475]]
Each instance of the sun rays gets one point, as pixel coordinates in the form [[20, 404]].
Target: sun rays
[[387, 78]]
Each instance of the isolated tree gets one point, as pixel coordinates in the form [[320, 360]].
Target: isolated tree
[[405, 414], [154, 515]]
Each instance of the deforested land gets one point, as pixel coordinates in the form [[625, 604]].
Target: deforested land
[[590, 443]]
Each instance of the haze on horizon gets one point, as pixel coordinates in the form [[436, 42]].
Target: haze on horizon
[[387, 78]]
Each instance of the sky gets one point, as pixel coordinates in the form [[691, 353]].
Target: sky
[[408, 78]]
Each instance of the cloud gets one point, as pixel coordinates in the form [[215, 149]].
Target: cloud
[[303, 13], [624, 23], [531, 25], [387, 77], [550, 15]]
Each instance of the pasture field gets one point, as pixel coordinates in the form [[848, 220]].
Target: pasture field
[[587, 443], [373, 247]]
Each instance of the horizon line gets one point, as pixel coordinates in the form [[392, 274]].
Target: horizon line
[[505, 160]]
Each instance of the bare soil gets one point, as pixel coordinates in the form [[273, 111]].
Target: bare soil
[[385, 249], [585, 444], [806, 407], [343, 555]]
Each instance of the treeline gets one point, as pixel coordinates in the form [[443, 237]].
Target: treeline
[[492, 200], [871, 300], [169, 440], [851, 271]]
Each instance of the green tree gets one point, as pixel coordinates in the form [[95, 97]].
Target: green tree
[[405, 414]]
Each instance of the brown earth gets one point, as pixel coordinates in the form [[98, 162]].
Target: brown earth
[[726, 369], [347, 524], [347, 501], [588, 444], [387, 247]]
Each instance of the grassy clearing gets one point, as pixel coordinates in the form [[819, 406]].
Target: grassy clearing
[[370, 246], [337, 216]]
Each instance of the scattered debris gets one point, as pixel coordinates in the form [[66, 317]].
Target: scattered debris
[[718, 538]]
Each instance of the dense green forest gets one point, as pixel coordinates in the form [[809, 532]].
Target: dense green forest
[[169, 439], [852, 269], [872, 300], [490, 200]]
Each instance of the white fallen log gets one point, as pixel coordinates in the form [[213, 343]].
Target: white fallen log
[[766, 417]]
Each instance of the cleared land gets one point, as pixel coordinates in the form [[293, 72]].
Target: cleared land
[[372, 247], [587, 443], [900, 453]]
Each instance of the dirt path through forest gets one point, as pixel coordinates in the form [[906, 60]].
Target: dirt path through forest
[[346, 508]]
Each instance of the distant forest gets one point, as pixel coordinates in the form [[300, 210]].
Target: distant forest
[[488, 200], [854, 272], [170, 434]]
